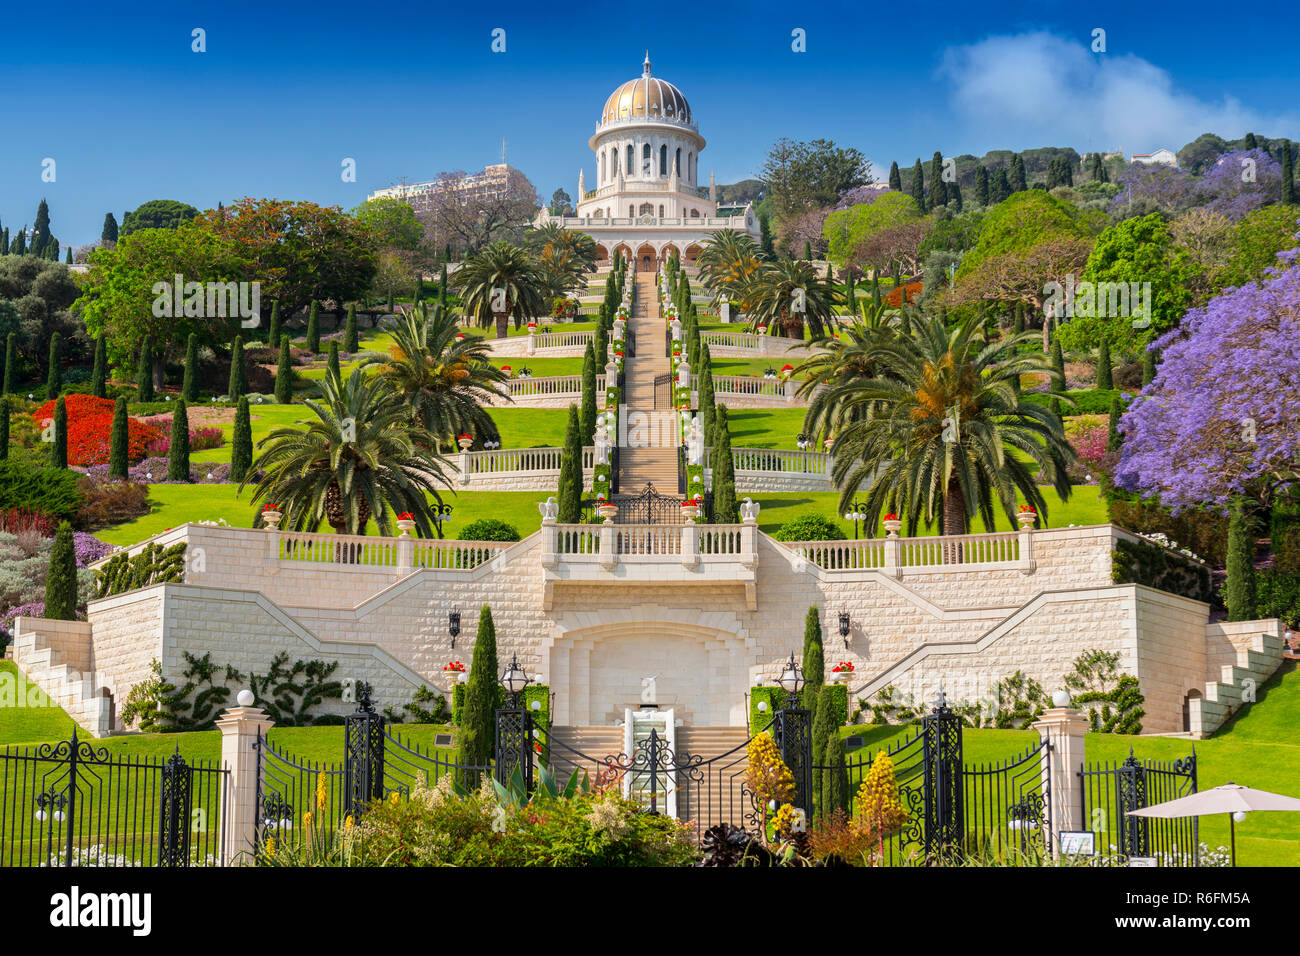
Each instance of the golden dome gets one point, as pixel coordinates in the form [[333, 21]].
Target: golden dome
[[647, 96]]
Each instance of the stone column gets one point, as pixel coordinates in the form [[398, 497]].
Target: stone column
[[549, 534], [464, 467], [405, 554], [1027, 563], [608, 555], [1063, 729], [690, 544], [240, 727], [532, 342], [790, 389], [893, 556]]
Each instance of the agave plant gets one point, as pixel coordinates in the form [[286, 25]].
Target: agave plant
[[499, 283], [445, 382], [946, 431], [360, 458]]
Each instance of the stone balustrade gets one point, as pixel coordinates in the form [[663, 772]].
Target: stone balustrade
[[728, 343], [939, 553], [545, 386], [518, 469]]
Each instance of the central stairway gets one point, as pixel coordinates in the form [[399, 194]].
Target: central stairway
[[657, 464]]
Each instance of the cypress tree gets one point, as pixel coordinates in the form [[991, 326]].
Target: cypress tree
[[190, 383], [1018, 181], [1113, 438], [118, 438], [54, 380], [724, 471], [477, 735], [1288, 175], [999, 186], [954, 193], [981, 185], [938, 188], [814, 654], [1018, 311], [238, 385], [332, 363], [19, 247], [59, 451], [875, 288], [61, 584], [705, 399], [109, 233], [1251, 142], [284, 374], [313, 327], [241, 442], [819, 702], [895, 178], [588, 416], [442, 287], [835, 778], [1105, 379], [273, 333], [1148, 366], [11, 364], [807, 250], [41, 230], [350, 330], [144, 375], [1239, 590], [178, 457], [570, 489], [99, 376], [4, 428], [600, 347], [918, 185], [1058, 363], [68, 258]]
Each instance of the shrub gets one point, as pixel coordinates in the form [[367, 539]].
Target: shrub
[[1239, 590], [51, 491], [1138, 562], [1284, 535], [106, 503], [1087, 401], [489, 529], [1202, 531], [809, 526], [20, 520], [61, 585], [90, 428], [1277, 594], [205, 437]]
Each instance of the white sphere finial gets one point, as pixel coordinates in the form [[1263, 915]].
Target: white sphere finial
[[1061, 698], [245, 698]]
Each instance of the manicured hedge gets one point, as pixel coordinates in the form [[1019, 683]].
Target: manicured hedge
[[775, 697], [1087, 401], [1135, 562]]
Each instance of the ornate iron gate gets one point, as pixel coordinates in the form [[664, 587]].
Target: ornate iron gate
[[649, 507], [1111, 790]]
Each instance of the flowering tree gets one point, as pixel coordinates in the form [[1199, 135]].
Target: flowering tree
[[1240, 182], [1171, 189], [1218, 420]]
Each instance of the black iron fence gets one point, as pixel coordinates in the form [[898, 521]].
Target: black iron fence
[[1111, 790], [75, 804]]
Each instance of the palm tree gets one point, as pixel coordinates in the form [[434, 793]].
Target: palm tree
[[790, 294], [564, 257], [947, 431], [361, 457], [727, 263], [833, 375], [446, 383], [499, 282]]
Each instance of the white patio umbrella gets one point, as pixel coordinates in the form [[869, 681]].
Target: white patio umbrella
[[1231, 798]]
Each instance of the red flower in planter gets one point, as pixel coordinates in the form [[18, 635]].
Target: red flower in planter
[[270, 507], [891, 517], [405, 516]]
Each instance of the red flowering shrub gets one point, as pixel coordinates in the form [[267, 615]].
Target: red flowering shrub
[[90, 425], [895, 296]]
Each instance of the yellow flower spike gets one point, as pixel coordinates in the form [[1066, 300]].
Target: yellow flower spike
[[347, 824], [392, 798], [322, 792], [306, 819], [270, 846]]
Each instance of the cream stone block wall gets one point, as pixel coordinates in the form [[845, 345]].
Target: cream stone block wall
[[126, 636]]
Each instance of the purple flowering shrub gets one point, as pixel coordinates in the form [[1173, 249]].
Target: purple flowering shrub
[[89, 548], [1221, 418], [153, 471]]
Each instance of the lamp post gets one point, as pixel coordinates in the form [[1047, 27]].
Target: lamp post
[[514, 743], [440, 513], [794, 734], [857, 513], [453, 627], [846, 625], [803, 441]]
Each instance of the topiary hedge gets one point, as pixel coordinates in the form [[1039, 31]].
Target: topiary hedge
[[489, 529], [1087, 401], [810, 526], [1138, 562], [773, 697]]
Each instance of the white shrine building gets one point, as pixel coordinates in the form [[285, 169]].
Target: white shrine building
[[648, 202]]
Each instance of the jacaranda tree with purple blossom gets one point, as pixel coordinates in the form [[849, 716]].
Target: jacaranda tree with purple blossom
[[1220, 418], [1239, 182]]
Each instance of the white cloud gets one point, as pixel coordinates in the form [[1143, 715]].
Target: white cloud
[[1041, 89]]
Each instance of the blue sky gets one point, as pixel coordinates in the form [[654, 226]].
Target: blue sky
[[114, 94]]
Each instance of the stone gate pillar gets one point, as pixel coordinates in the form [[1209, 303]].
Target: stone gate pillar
[[1062, 729], [241, 728]]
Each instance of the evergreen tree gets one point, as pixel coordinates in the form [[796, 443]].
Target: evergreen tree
[[1018, 310], [814, 654], [41, 230], [477, 736], [109, 233], [284, 373], [332, 363], [19, 247], [313, 327], [1288, 174], [350, 330], [238, 382], [819, 702], [570, 490], [587, 419], [1104, 377], [99, 376], [704, 398], [834, 791], [1017, 178], [1251, 142], [178, 456], [875, 288], [1239, 589], [918, 185], [938, 188], [1000, 186], [144, 375], [11, 364], [895, 177], [4, 428], [61, 583], [1113, 437], [807, 250], [1148, 366], [190, 382], [118, 438], [724, 470], [68, 258], [954, 194], [54, 378], [273, 333], [1058, 363], [241, 442], [981, 185], [1095, 169], [59, 451], [600, 350]]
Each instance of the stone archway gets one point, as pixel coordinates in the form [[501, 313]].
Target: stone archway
[[692, 253], [602, 255], [701, 671], [647, 258]]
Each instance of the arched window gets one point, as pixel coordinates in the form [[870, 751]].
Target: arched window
[[663, 162], [631, 211], [631, 158], [678, 161], [695, 214], [645, 159], [661, 210]]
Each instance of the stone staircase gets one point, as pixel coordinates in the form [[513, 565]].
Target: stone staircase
[[1223, 697], [81, 696], [653, 465]]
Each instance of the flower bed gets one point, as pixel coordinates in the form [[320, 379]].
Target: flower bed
[[153, 471], [90, 426]]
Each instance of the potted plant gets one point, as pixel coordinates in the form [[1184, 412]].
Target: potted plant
[[691, 507], [465, 440], [892, 524], [454, 672], [606, 509], [787, 371], [406, 523], [1026, 516], [508, 370], [841, 672], [271, 514], [762, 329]]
